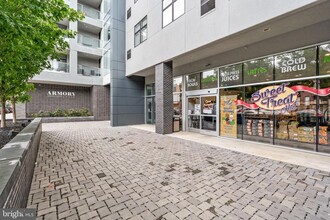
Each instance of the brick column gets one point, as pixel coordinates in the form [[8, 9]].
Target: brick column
[[164, 98]]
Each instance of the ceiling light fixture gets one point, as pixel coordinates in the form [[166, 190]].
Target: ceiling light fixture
[[266, 29]]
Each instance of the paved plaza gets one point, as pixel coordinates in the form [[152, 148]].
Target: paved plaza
[[89, 170]]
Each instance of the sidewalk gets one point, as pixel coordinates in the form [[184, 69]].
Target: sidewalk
[[284, 154], [88, 170]]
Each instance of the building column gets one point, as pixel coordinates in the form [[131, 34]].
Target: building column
[[164, 98], [100, 101]]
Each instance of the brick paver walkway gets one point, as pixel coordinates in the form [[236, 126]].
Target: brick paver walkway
[[91, 171]]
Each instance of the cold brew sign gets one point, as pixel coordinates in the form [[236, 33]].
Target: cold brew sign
[[300, 63], [231, 75]]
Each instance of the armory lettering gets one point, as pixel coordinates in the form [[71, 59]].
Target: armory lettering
[[61, 94]]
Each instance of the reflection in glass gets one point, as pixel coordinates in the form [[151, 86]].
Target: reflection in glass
[[258, 70], [209, 79], [231, 75], [167, 16], [150, 89], [209, 123], [209, 105], [194, 106], [324, 59], [177, 84], [150, 108], [194, 121], [177, 104], [178, 8], [300, 63]]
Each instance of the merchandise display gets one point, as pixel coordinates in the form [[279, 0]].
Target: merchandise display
[[306, 134], [282, 130], [258, 127], [293, 130], [323, 134]]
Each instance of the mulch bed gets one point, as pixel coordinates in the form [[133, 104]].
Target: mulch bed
[[5, 133]]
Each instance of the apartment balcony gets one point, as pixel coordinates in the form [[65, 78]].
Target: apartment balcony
[[92, 15], [89, 71], [89, 11], [59, 66], [89, 41]]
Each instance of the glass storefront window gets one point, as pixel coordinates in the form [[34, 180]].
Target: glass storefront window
[[150, 89], [194, 111], [209, 79], [177, 104], [324, 59], [193, 82], [300, 63], [230, 75], [296, 121], [324, 116], [258, 121], [256, 71], [209, 112], [177, 84]]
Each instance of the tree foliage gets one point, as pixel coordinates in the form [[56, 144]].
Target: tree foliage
[[29, 36]]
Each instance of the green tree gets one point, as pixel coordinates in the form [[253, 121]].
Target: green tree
[[30, 36]]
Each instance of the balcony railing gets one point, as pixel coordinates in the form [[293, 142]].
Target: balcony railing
[[89, 71], [59, 66], [89, 11], [89, 41]]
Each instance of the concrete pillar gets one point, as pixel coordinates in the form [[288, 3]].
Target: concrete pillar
[[73, 55], [164, 98]]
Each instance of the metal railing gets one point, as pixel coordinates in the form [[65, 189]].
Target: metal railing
[[89, 70], [89, 41], [89, 11], [59, 66]]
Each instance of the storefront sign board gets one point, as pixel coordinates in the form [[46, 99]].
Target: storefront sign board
[[228, 122]]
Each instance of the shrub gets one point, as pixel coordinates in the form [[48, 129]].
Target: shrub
[[63, 113]]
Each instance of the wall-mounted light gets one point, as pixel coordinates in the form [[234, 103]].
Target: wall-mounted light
[[266, 29]]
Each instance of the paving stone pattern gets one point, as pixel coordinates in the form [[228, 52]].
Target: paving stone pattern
[[88, 170]]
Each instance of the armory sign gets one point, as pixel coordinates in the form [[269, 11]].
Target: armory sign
[[55, 93]]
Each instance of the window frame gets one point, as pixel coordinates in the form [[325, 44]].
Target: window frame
[[128, 13], [173, 9], [206, 2], [129, 54], [139, 31]]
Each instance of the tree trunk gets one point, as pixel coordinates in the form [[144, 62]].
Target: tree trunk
[[13, 104], [3, 111]]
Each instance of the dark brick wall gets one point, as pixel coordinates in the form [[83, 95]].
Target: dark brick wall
[[16, 177], [164, 98], [101, 102], [40, 100]]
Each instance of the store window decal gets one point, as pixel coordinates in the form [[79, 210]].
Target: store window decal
[[280, 98]]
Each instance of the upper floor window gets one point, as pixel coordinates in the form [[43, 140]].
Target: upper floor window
[[140, 32], [172, 9], [206, 6], [129, 13]]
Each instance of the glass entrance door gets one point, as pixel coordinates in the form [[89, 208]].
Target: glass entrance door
[[202, 114], [150, 108]]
